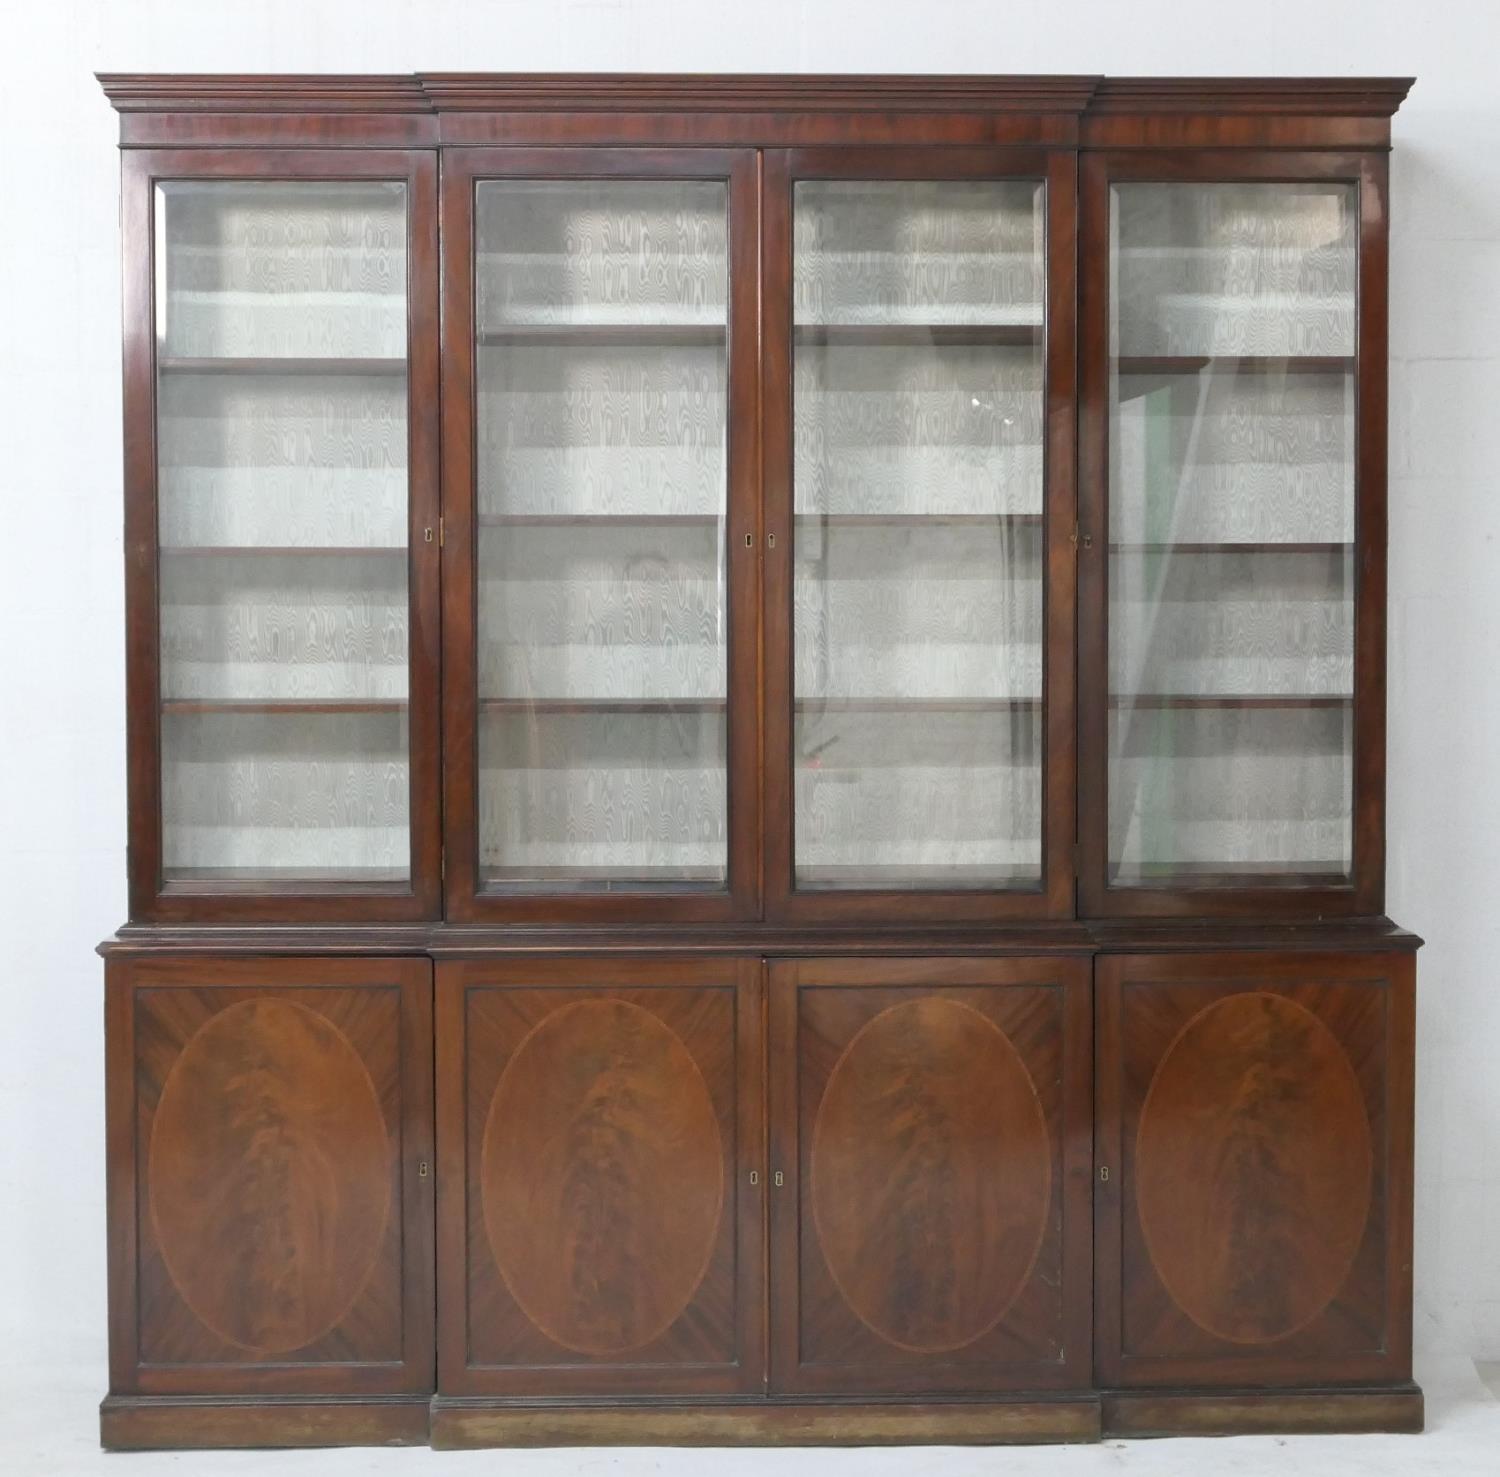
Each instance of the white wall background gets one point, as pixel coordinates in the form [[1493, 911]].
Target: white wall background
[[62, 758]]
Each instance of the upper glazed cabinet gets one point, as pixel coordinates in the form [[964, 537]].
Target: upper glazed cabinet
[[1234, 582], [630, 352], [958, 531], [281, 457]]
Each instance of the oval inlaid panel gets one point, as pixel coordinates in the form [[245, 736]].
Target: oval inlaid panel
[[603, 1177], [269, 1175], [931, 1172], [1253, 1168]]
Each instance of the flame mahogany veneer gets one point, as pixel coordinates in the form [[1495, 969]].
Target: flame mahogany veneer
[[396, 1162]]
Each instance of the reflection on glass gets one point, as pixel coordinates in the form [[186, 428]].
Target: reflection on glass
[[1231, 569], [282, 511], [601, 382], [917, 605]]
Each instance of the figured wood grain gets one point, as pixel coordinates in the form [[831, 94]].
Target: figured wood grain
[[269, 1136], [1254, 1113], [1253, 1219], [930, 1174], [268, 1116], [925, 1113], [602, 1177], [599, 1229]]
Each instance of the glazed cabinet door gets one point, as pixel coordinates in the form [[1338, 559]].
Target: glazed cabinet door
[[1233, 562], [929, 1158], [601, 524], [919, 510], [1254, 1143], [600, 1186], [270, 1193], [281, 366]]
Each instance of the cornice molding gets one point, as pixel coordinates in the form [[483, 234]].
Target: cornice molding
[[1344, 97], [637, 92], [185, 92], [428, 110]]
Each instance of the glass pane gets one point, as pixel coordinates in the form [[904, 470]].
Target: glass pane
[[601, 384], [282, 515], [1231, 571], [917, 608]]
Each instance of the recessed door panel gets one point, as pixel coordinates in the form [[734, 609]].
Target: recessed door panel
[[274, 1122], [928, 1200], [1255, 1129], [600, 1227]]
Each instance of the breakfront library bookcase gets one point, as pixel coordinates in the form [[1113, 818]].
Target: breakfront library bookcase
[[756, 747]]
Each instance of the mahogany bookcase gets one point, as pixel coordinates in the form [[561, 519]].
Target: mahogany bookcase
[[756, 725]]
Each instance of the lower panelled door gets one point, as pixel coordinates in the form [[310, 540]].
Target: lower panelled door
[[270, 1186], [1255, 1159], [930, 1175], [600, 1207]]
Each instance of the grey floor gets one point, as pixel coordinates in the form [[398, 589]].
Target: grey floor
[[47, 1426]]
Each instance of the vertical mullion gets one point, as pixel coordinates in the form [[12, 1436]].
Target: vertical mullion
[[1060, 516], [742, 561], [779, 805], [1093, 535], [460, 862], [1367, 819], [142, 634], [424, 595]]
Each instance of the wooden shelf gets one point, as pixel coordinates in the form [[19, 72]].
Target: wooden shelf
[[919, 704], [1216, 874], [283, 551], [1185, 364], [1230, 548], [275, 365], [915, 877], [1215, 700], [1001, 335], [282, 705], [581, 520], [598, 879], [603, 335], [600, 705], [210, 880], [921, 520]]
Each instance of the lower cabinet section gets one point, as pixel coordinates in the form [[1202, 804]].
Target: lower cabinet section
[[708, 1200], [1255, 1124], [930, 1137], [270, 1187], [600, 1187]]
